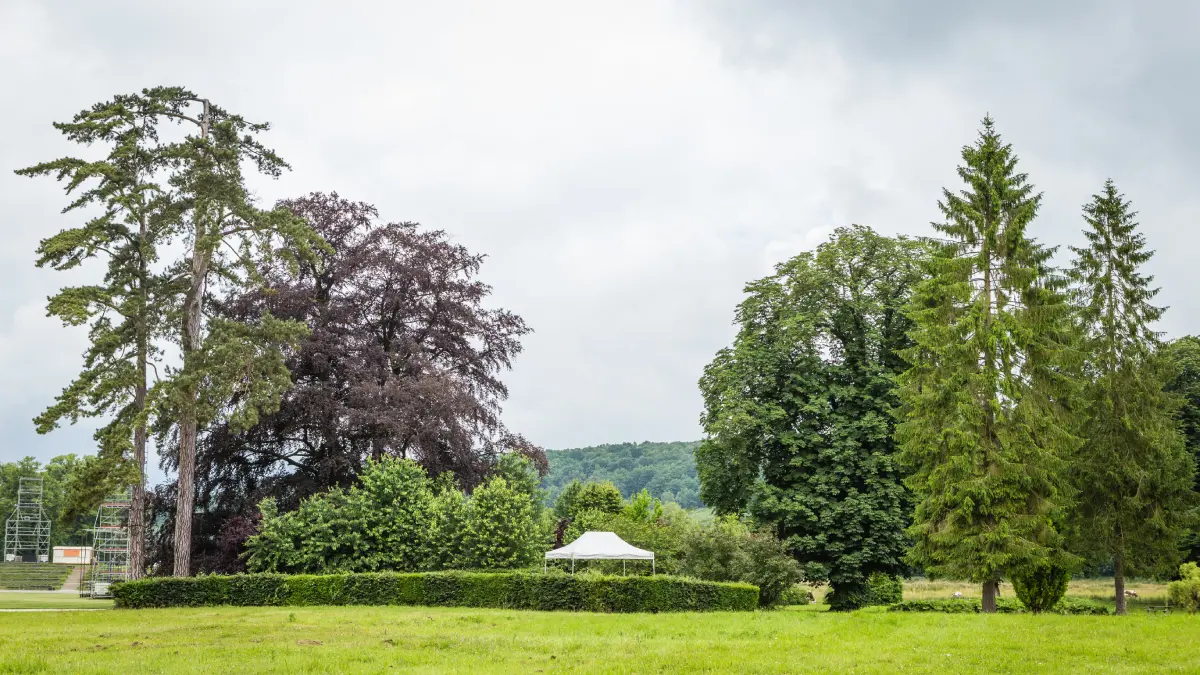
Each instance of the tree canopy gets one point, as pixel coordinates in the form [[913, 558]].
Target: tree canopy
[[798, 410], [984, 429], [403, 359], [1134, 474]]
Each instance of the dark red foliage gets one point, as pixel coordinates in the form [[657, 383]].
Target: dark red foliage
[[404, 360]]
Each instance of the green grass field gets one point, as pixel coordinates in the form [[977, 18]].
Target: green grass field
[[435, 640], [44, 600], [428, 640]]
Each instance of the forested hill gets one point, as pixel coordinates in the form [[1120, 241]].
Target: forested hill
[[668, 470]]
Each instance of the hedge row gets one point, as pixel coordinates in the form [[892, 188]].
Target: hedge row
[[1003, 606], [515, 590]]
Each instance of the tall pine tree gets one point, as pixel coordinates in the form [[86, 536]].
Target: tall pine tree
[[1133, 473], [982, 427], [228, 238], [127, 310]]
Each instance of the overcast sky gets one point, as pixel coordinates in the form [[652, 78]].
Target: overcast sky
[[626, 166]]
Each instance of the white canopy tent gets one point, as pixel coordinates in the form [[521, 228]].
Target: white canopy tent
[[599, 546]]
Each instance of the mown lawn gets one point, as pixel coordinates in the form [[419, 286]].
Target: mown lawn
[[427, 640], [45, 600]]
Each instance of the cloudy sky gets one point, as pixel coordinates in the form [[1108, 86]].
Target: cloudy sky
[[626, 165]]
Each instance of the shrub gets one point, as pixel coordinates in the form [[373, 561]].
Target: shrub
[[1041, 586], [1185, 593], [502, 527], [381, 524], [726, 550], [506, 590], [449, 515], [1003, 606], [886, 589], [798, 594], [769, 566]]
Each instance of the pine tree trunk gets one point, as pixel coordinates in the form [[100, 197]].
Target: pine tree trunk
[[137, 505], [137, 495], [989, 597], [185, 498], [1119, 582]]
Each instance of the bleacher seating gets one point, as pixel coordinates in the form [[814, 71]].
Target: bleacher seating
[[33, 576]]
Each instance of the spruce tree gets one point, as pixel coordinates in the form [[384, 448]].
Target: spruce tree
[[1133, 473], [983, 426]]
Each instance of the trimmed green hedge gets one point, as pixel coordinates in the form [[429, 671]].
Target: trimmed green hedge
[[515, 590], [1003, 606]]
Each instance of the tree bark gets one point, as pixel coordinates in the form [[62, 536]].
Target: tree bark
[[990, 590], [1119, 582], [185, 498], [137, 495], [137, 502]]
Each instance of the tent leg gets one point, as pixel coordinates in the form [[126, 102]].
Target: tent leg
[[572, 566], [544, 565], [623, 572], [652, 567]]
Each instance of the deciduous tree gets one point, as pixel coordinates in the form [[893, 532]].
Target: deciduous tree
[[799, 409], [403, 360]]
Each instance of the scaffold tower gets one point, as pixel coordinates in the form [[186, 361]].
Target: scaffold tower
[[110, 547], [27, 530]]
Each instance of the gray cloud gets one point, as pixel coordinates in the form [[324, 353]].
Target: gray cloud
[[627, 166]]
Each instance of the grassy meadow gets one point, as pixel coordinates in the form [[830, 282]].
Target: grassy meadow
[[48, 600], [438, 640]]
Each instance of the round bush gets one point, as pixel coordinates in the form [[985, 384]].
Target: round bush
[[886, 589], [1040, 587]]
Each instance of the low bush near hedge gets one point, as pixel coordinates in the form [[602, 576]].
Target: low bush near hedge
[[1003, 606], [521, 590]]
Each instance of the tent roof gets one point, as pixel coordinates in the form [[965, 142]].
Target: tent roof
[[599, 546]]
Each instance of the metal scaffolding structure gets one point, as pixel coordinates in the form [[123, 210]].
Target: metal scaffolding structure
[[110, 547], [27, 530]]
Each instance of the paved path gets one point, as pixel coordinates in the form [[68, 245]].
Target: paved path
[[72, 583]]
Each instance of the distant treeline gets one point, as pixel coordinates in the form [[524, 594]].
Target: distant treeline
[[667, 470]]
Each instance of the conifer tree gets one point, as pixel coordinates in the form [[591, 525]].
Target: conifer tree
[[228, 239], [151, 192], [126, 311], [983, 426], [1133, 473]]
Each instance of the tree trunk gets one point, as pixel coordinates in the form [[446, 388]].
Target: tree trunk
[[137, 502], [185, 498], [137, 495], [1119, 582], [990, 590]]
